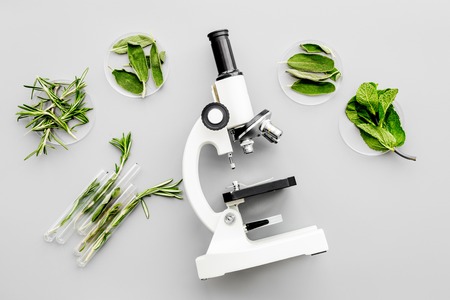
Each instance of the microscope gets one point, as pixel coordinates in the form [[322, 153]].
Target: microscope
[[228, 119]]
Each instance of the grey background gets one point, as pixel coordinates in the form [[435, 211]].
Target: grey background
[[385, 218]]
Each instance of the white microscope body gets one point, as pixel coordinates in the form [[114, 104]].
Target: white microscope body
[[231, 117]]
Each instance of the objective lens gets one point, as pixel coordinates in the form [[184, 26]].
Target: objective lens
[[270, 131]]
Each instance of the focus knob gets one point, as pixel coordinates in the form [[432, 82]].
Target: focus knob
[[215, 116]]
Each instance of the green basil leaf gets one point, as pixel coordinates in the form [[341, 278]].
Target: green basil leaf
[[311, 62]]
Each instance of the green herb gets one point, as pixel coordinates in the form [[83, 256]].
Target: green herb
[[121, 47], [162, 56], [90, 190], [312, 88], [335, 74], [155, 65], [124, 145], [136, 81], [128, 81], [372, 111], [139, 64], [310, 62], [111, 196], [311, 76], [315, 48], [61, 107], [164, 189], [101, 226]]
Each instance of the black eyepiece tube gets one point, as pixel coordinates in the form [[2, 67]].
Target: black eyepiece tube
[[223, 54]]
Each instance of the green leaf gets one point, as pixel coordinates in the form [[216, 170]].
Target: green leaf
[[382, 135], [386, 98], [308, 75], [367, 95], [128, 81], [162, 56], [145, 208], [121, 47], [393, 125], [139, 64], [308, 87], [315, 48], [311, 62], [372, 142], [364, 114], [335, 74], [351, 112], [155, 65]]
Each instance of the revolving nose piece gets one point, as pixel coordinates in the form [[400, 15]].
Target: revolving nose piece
[[247, 146], [270, 131]]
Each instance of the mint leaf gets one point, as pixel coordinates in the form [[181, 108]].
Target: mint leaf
[[373, 113], [382, 135], [367, 95], [364, 114], [386, 98], [372, 142], [394, 126], [351, 112], [357, 113]]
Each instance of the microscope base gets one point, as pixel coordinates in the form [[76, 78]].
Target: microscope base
[[231, 251]]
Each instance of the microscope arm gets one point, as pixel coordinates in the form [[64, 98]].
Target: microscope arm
[[199, 137]]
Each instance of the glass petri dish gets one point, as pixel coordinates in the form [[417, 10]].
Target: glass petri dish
[[120, 61], [80, 132], [287, 80], [352, 138]]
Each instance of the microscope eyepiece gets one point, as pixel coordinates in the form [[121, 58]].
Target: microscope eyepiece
[[223, 54]]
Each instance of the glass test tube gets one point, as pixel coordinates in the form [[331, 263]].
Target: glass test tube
[[63, 221], [129, 205], [122, 183], [104, 221], [65, 233]]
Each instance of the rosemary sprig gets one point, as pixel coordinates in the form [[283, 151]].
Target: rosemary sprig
[[91, 189], [55, 111], [101, 226], [124, 145], [162, 189]]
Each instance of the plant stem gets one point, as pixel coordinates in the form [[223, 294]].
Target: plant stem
[[406, 156]]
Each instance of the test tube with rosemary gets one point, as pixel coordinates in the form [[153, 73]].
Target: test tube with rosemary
[[165, 189], [109, 199], [63, 221], [124, 145], [64, 234], [105, 220]]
